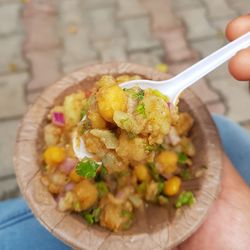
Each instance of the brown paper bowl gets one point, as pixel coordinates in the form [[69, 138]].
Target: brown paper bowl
[[157, 228]]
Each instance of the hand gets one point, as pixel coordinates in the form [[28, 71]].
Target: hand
[[239, 65], [227, 226], [228, 223]]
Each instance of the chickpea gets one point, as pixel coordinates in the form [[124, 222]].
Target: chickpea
[[54, 155], [168, 161], [87, 194], [142, 173], [74, 176], [172, 186], [96, 120], [109, 100]]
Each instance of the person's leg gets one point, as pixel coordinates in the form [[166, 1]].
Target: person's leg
[[236, 144], [20, 230]]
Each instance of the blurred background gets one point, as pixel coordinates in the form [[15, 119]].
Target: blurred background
[[41, 40]]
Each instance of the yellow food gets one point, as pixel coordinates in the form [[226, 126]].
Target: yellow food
[[86, 193], [109, 100], [140, 152], [73, 106], [142, 173], [168, 161], [74, 176], [54, 155], [172, 186], [96, 120]]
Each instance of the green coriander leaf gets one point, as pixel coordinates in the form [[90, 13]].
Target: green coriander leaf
[[185, 174], [87, 168], [153, 171], [126, 213], [160, 186], [163, 200], [150, 148], [96, 214], [159, 148], [104, 170], [140, 109], [102, 188], [182, 158], [141, 188], [139, 95], [89, 218], [185, 198]]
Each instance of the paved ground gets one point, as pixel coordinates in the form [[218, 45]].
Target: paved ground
[[44, 39]]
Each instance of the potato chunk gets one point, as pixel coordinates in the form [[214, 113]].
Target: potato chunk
[[109, 100], [87, 194]]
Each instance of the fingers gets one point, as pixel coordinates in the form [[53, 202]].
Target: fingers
[[239, 65], [238, 27]]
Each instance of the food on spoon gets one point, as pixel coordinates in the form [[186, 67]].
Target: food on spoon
[[142, 153]]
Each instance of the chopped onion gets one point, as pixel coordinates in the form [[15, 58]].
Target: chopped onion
[[69, 186], [59, 197], [173, 136], [58, 119], [67, 165], [106, 136]]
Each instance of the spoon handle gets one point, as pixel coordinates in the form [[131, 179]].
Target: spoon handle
[[209, 63]]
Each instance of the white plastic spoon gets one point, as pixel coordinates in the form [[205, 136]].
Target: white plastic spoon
[[174, 86]]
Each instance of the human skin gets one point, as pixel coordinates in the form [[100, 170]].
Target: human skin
[[227, 226]]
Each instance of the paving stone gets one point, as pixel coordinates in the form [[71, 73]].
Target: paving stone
[[9, 189], [175, 68], [184, 4], [45, 68], [11, 54], [12, 100], [9, 18], [131, 8], [97, 3], [151, 58], [46, 25], [197, 24], [139, 34], [115, 54], [206, 47], [162, 16], [8, 131], [32, 8], [202, 89], [77, 48], [218, 9], [236, 95], [71, 12], [176, 46], [72, 67], [242, 6], [217, 108], [102, 23], [220, 24]]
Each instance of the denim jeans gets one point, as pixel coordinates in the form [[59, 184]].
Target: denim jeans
[[20, 230]]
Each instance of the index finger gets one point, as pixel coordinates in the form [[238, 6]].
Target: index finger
[[238, 27]]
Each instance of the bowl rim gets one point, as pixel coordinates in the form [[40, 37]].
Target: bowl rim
[[28, 178]]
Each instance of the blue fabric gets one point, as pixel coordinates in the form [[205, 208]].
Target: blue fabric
[[20, 230], [236, 144]]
